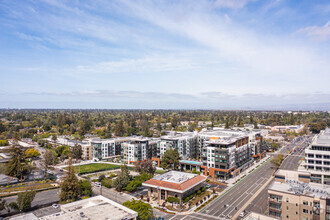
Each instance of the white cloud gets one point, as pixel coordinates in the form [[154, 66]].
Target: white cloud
[[232, 3], [321, 33]]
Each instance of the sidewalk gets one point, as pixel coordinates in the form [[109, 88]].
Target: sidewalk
[[232, 181]]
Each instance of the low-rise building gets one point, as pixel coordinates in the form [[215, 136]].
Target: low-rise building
[[5, 180], [97, 207], [173, 184]]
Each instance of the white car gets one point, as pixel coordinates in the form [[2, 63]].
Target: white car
[[55, 206], [97, 184], [242, 214]]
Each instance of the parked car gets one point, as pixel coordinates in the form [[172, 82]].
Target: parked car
[[242, 214], [55, 206]]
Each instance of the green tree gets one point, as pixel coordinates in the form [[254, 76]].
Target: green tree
[[122, 179], [277, 161], [49, 159], [144, 210], [85, 188], [75, 152], [70, 190], [145, 166], [24, 200], [106, 182], [119, 128], [17, 166], [170, 159]]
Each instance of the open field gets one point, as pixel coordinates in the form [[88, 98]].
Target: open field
[[94, 167]]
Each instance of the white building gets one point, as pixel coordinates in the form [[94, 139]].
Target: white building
[[97, 207], [317, 158]]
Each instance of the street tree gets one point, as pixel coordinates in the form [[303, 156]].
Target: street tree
[[170, 159], [122, 179], [70, 190], [277, 161], [144, 210], [145, 166], [24, 200]]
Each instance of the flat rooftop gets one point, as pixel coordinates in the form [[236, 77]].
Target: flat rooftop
[[175, 181], [299, 188], [97, 207], [175, 177], [323, 138]]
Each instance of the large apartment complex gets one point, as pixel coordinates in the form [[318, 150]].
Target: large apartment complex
[[219, 152]]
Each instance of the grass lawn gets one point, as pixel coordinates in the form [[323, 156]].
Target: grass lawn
[[161, 171], [94, 167]]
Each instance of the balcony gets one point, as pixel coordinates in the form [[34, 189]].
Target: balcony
[[276, 201]]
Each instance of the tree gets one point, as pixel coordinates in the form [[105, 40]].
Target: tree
[[122, 179], [102, 177], [49, 159], [119, 128], [24, 200], [32, 153], [145, 166], [85, 188], [54, 137], [70, 190], [277, 161], [106, 182], [75, 152], [170, 159], [17, 166], [144, 210]]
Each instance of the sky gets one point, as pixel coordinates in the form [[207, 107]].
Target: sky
[[180, 54]]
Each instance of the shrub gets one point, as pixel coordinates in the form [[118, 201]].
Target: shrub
[[173, 199], [112, 175], [102, 177], [133, 185], [199, 192], [106, 182]]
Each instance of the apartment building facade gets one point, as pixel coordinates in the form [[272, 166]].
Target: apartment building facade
[[185, 143], [224, 153], [136, 150], [317, 158], [293, 196]]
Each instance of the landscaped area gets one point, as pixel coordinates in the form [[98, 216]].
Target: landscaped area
[[21, 187], [94, 167]]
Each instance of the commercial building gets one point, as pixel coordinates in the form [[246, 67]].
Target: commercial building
[[317, 158], [173, 184], [97, 207], [293, 196]]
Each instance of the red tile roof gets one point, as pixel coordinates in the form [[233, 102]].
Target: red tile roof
[[177, 186]]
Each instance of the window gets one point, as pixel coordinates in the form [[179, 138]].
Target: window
[[305, 211], [305, 202], [287, 216], [287, 208], [287, 199]]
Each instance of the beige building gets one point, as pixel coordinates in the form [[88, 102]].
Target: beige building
[[293, 196], [87, 152], [173, 184]]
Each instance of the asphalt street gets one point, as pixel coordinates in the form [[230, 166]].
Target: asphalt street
[[41, 198], [231, 201], [260, 203]]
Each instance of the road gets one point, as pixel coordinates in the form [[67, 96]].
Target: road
[[260, 203], [227, 205], [41, 198]]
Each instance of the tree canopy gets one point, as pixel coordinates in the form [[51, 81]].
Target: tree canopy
[[144, 210], [170, 159]]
